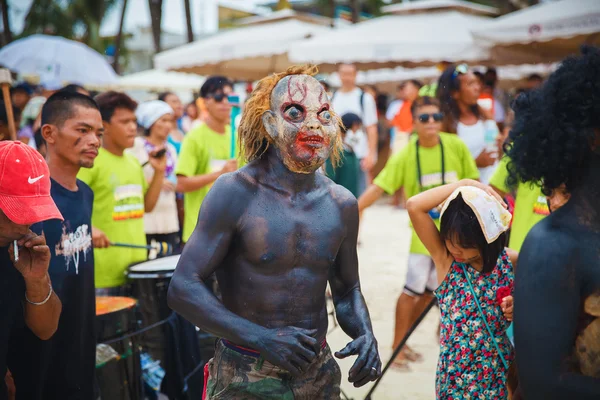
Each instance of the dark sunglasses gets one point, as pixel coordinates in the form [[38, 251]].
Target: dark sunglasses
[[219, 97], [424, 118]]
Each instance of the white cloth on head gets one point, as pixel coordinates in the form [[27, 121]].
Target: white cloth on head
[[493, 218], [149, 112]]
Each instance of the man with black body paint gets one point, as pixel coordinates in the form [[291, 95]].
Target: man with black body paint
[[556, 141], [275, 232]]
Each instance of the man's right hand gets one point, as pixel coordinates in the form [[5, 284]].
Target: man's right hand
[[229, 166], [99, 239], [486, 159], [290, 348]]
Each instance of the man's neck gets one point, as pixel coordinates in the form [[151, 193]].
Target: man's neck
[[347, 89], [428, 140], [284, 179], [63, 172], [112, 148], [215, 125]]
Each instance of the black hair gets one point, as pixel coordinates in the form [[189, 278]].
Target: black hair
[[213, 85], [415, 82], [4, 115], [162, 96], [109, 101], [421, 102], [551, 139], [73, 87], [534, 77], [447, 85], [348, 120], [460, 226], [59, 107]]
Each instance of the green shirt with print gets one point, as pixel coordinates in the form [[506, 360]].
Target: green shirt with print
[[530, 205], [119, 187], [203, 151], [401, 171]]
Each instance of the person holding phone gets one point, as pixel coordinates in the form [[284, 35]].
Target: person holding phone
[[156, 118], [121, 193], [206, 151]]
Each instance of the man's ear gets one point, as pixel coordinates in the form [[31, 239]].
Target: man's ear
[[270, 123], [49, 133]]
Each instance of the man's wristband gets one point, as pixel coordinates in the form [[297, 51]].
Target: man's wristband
[[42, 302]]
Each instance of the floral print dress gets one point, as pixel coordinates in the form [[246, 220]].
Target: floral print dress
[[469, 366]]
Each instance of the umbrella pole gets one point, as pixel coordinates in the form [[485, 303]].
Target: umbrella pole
[[5, 81]]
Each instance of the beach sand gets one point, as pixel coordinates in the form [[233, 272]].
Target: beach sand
[[383, 253]]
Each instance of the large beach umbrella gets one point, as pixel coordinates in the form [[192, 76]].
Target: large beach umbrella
[[546, 32], [396, 40], [246, 53], [160, 80], [59, 59]]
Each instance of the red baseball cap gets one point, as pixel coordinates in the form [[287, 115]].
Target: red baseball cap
[[25, 185]]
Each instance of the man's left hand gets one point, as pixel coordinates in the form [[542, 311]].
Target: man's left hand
[[34, 256], [367, 366], [158, 164]]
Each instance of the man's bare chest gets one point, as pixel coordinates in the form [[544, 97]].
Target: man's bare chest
[[291, 235]]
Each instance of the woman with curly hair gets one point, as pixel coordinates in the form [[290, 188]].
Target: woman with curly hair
[[556, 142], [458, 91]]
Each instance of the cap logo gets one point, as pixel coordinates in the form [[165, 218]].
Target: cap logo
[[34, 180]]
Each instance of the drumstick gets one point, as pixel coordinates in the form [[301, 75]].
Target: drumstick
[[5, 82], [162, 248]]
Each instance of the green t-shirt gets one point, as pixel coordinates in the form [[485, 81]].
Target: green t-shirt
[[119, 186], [203, 151], [530, 205], [346, 173], [401, 171]]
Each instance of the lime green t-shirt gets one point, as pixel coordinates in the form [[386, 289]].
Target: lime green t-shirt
[[530, 205], [119, 187], [401, 171], [203, 151]]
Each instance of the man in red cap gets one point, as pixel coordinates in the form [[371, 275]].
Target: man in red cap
[[26, 294]]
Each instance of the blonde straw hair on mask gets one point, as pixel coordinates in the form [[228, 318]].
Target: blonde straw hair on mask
[[252, 135]]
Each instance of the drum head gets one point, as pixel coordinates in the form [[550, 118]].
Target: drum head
[[110, 304], [164, 264]]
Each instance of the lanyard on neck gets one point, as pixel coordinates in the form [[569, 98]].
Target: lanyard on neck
[[419, 165]]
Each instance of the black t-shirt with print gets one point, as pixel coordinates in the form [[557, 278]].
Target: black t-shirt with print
[[12, 293], [63, 367]]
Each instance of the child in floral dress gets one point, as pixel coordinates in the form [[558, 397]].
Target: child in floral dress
[[471, 260]]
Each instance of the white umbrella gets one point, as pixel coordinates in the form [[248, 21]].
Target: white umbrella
[[390, 41], [246, 53], [160, 80], [57, 58], [542, 33]]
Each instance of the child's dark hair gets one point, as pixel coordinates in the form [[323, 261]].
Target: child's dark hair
[[422, 102], [348, 120], [460, 226]]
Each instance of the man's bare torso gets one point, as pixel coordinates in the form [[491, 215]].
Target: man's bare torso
[[282, 253]]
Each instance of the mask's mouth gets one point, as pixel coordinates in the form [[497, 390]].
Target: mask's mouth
[[310, 140]]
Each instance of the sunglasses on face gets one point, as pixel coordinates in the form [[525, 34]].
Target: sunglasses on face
[[460, 69], [219, 97], [424, 118]]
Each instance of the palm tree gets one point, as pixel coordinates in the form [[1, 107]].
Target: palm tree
[[6, 23], [155, 20], [188, 21], [119, 38]]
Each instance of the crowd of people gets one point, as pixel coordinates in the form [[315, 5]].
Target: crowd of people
[[93, 178]]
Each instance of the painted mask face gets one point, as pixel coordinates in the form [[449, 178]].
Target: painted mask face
[[300, 123]]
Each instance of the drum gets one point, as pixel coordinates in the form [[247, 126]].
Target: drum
[[118, 374], [150, 284]]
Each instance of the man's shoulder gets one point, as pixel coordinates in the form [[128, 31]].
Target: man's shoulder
[[85, 189], [342, 196]]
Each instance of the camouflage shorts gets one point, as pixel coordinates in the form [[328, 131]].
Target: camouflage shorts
[[239, 374]]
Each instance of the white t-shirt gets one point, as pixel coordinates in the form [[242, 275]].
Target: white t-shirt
[[474, 138], [349, 102]]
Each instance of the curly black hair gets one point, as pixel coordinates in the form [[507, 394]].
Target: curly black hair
[[550, 142]]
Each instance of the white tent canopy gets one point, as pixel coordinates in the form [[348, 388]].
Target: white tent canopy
[[542, 33], [245, 53], [390, 41], [160, 80]]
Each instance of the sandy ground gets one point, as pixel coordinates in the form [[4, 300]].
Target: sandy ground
[[383, 253]]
